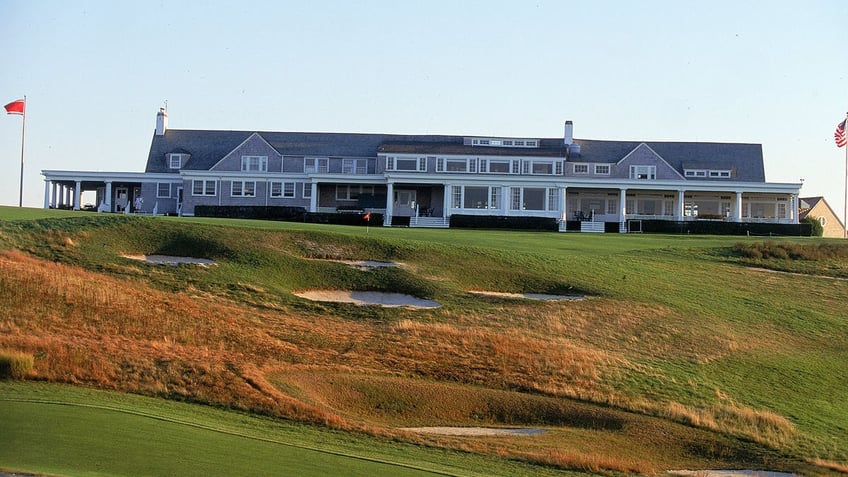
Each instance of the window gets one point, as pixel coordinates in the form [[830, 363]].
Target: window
[[499, 167], [612, 206], [254, 163], [275, 189], [515, 196], [534, 199], [476, 197], [643, 172], [406, 164], [204, 187], [553, 199], [243, 189], [307, 190], [282, 189], [314, 165], [175, 161], [495, 203], [163, 190], [581, 168], [543, 168], [602, 169], [456, 203], [354, 166], [352, 192], [457, 165]]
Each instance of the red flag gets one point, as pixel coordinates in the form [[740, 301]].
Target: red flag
[[15, 107], [367, 216], [839, 135]]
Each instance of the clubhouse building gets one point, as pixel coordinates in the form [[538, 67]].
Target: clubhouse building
[[424, 180]]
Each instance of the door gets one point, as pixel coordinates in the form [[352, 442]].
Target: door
[[404, 202], [121, 198], [179, 200]]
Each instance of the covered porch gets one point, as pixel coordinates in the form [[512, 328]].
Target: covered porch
[[97, 191]]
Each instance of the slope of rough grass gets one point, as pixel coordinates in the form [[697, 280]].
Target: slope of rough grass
[[676, 327]]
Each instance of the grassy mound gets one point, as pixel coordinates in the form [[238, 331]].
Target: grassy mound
[[679, 339]]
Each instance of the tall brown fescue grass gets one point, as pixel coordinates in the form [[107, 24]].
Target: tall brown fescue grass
[[87, 327], [15, 364]]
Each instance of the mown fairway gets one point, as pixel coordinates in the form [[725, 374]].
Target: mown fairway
[[685, 354]]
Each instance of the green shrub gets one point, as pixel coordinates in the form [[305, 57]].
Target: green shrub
[[816, 229], [15, 364]]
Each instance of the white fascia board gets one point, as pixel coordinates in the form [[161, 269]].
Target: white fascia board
[[369, 179], [100, 176]]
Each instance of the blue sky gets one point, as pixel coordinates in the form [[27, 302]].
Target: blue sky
[[96, 72]]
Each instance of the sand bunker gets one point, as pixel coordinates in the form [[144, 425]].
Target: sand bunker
[[169, 260], [475, 431], [367, 298], [529, 296], [367, 264]]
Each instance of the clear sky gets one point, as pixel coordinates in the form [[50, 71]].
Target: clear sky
[[96, 72]]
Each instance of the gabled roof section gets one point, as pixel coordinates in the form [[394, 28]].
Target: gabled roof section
[[255, 137], [745, 159]]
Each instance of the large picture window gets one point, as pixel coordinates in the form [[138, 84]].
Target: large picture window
[[282, 189], [476, 197], [406, 164]]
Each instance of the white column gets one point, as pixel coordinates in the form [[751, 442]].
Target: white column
[[77, 195], [446, 201], [313, 199], [793, 212], [563, 209], [46, 194], [54, 195], [681, 204], [622, 206], [68, 194], [737, 209], [109, 196], [390, 204]]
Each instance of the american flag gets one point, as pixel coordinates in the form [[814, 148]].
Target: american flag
[[839, 135]]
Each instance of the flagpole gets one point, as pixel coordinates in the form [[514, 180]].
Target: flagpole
[[23, 138]]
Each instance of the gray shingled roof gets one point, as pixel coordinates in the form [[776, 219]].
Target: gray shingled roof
[[746, 159], [208, 147]]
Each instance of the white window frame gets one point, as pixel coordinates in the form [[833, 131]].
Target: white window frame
[[175, 161], [307, 190], [254, 163], [245, 188], [581, 169], [600, 169], [351, 192], [650, 172], [208, 187], [159, 187], [316, 165], [420, 163], [354, 166]]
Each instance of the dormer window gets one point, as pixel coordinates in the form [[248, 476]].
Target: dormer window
[[175, 161]]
